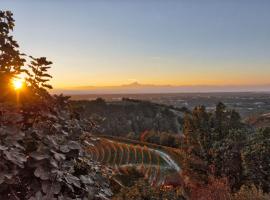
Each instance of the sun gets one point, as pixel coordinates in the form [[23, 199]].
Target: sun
[[17, 83]]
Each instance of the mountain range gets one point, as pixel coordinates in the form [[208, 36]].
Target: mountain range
[[136, 87]]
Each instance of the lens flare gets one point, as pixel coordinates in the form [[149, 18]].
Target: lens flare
[[17, 83]]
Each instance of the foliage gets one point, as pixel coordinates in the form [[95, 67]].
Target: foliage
[[161, 138], [219, 146], [42, 147], [38, 78], [123, 117], [250, 193], [226, 158], [195, 164], [257, 160], [11, 59], [216, 189], [213, 144], [43, 161], [141, 190]]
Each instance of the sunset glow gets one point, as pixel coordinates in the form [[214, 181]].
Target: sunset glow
[[17, 83], [175, 43]]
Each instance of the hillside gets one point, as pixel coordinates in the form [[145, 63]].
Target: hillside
[[260, 121], [130, 117]]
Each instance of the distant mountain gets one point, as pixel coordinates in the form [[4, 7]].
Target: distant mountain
[[136, 87]]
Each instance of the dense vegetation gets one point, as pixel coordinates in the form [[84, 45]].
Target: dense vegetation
[[221, 158], [42, 144], [161, 138], [218, 146], [130, 117], [141, 190]]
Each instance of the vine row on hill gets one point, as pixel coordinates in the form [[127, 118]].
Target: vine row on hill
[[156, 166]]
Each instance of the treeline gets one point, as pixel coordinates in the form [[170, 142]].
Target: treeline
[[129, 117], [182, 109], [223, 153], [160, 138], [222, 159]]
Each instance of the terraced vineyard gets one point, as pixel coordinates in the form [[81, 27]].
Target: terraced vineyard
[[120, 154]]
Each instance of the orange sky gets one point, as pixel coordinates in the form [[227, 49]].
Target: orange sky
[[107, 43]]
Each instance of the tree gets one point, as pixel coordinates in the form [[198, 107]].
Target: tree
[[38, 78], [257, 160], [226, 157], [41, 152], [195, 164], [11, 59], [213, 144]]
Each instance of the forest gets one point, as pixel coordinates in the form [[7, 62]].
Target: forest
[[45, 142]]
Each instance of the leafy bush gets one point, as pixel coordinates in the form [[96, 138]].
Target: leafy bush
[[46, 160], [141, 190], [219, 146], [42, 149], [216, 189], [256, 159], [250, 193]]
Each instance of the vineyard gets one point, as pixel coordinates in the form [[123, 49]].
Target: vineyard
[[154, 162]]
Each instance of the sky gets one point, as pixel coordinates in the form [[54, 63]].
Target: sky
[[160, 42]]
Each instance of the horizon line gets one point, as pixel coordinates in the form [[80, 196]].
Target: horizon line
[[162, 89], [137, 84]]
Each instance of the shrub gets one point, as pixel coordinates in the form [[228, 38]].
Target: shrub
[[250, 193], [257, 160], [216, 189], [42, 148], [141, 190]]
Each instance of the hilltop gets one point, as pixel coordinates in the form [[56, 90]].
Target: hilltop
[[130, 117]]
